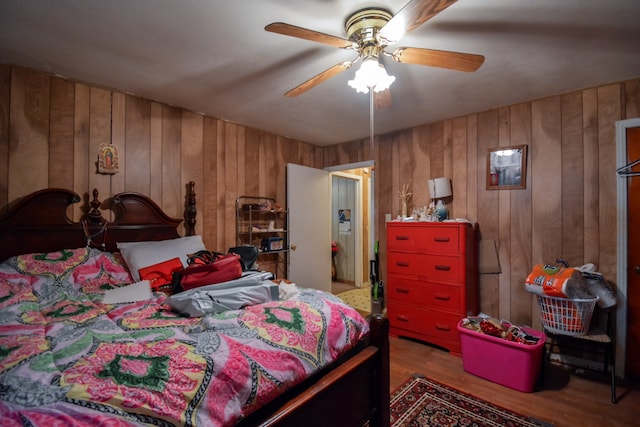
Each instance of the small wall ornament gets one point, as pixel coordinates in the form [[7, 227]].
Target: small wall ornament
[[107, 159]]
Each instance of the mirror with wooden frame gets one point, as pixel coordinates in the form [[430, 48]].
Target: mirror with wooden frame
[[507, 168]]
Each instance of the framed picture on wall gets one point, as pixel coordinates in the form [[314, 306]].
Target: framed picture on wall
[[507, 168]]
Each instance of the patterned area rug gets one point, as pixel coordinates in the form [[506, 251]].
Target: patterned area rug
[[359, 298], [424, 402]]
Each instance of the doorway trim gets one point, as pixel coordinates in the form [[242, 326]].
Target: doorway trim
[[372, 199], [621, 273], [356, 226]]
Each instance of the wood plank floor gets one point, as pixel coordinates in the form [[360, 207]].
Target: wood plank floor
[[562, 399]]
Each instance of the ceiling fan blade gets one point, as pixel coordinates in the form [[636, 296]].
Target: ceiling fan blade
[[382, 99], [317, 79], [410, 17], [438, 58], [304, 33]]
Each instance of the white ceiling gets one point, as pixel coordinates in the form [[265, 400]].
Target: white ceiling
[[214, 57]]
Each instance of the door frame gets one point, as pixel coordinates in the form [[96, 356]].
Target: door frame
[[622, 206], [372, 199], [356, 225]]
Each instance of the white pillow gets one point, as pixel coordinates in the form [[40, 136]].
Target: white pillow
[[143, 254]]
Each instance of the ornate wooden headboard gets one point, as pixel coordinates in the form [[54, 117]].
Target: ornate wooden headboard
[[39, 222]]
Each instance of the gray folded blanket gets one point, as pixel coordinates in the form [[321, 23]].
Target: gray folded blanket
[[251, 288]]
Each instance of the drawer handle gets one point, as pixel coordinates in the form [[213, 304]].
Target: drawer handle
[[402, 264], [402, 290], [443, 267], [443, 297], [402, 237], [441, 239], [442, 327], [403, 318]]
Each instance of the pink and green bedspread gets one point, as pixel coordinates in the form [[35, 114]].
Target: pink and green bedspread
[[66, 359]]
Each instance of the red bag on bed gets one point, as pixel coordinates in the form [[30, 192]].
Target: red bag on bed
[[221, 269], [160, 274]]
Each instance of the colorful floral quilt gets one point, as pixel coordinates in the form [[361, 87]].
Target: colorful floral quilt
[[66, 359]]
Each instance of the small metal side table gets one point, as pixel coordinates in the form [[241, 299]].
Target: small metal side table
[[599, 340]]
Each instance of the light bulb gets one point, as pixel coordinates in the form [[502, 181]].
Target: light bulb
[[371, 75]]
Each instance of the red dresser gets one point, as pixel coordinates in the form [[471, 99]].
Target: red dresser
[[432, 280]]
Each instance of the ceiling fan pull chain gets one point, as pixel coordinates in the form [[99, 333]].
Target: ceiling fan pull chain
[[371, 120]]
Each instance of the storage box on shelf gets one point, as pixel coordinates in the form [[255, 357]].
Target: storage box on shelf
[[432, 280], [262, 223]]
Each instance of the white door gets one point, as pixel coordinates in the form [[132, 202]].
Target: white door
[[309, 205]]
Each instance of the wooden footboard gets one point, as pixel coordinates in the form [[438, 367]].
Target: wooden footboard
[[352, 394]]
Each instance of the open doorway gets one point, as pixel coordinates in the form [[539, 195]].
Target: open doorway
[[352, 229], [310, 222]]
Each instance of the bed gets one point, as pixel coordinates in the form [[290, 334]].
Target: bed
[[66, 358]]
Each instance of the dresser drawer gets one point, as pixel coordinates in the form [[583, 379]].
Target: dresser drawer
[[448, 268], [402, 289], [439, 325], [421, 238]]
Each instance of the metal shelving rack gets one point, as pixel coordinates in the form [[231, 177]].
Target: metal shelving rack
[[259, 219]]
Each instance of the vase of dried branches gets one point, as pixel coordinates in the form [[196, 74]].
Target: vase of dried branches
[[405, 195]]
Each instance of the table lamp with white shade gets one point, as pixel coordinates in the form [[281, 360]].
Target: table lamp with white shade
[[440, 188]]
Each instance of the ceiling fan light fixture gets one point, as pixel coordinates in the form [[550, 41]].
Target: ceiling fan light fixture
[[369, 32], [371, 75]]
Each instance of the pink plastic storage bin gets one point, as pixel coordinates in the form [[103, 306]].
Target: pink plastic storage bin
[[508, 363]]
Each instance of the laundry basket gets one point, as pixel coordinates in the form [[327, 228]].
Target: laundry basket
[[566, 316]]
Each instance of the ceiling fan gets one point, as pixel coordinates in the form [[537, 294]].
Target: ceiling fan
[[370, 31]]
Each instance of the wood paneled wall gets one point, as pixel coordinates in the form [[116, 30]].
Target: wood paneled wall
[[568, 209], [51, 128]]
